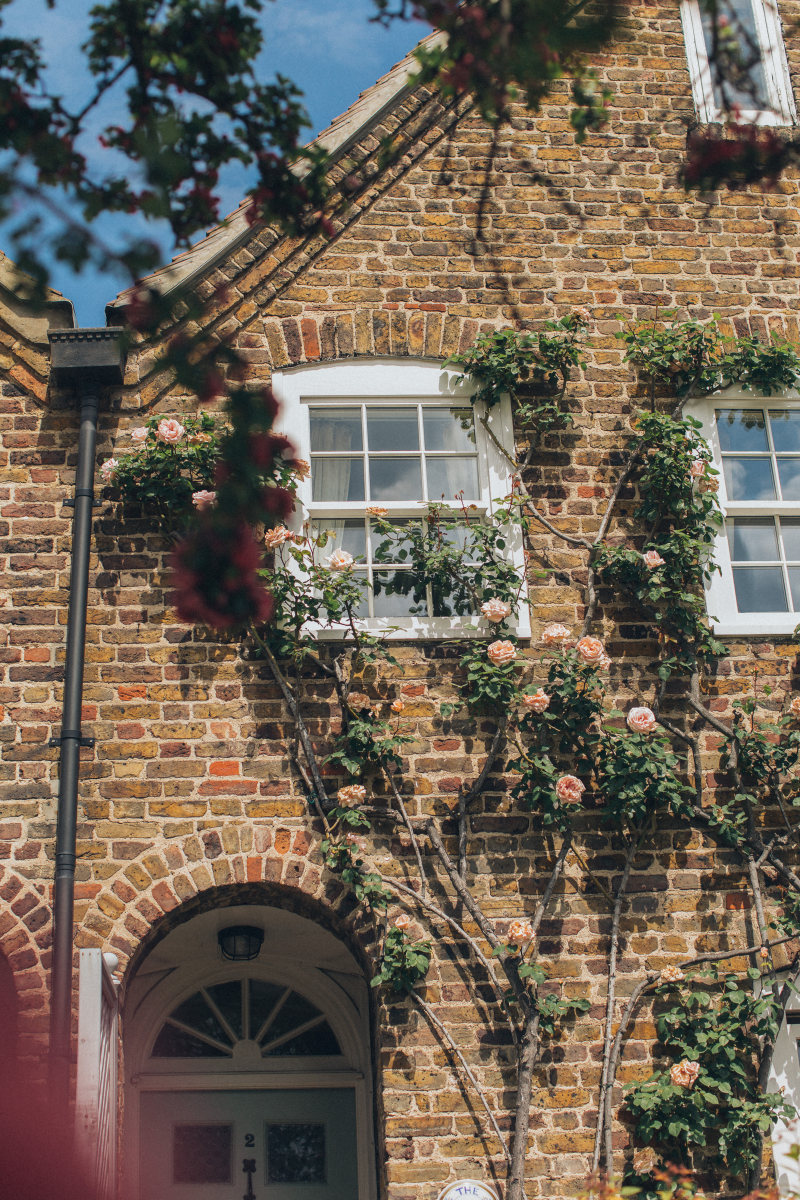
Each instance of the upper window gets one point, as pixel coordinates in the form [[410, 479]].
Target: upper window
[[756, 447], [397, 437], [748, 45]]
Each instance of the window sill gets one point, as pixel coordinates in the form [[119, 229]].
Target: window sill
[[758, 625]]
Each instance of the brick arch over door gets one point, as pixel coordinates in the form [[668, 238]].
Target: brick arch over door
[[266, 863], [422, 332], [25, 940]]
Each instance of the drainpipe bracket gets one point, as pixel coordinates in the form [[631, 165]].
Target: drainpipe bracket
[[72, 735]]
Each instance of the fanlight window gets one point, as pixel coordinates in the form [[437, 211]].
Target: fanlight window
[[280, 1022]]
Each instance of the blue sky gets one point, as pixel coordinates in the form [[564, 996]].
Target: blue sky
[[328, 47]]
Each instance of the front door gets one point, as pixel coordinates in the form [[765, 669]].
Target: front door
[[249, 1145]]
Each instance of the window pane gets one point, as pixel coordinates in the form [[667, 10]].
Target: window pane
[[395, 479], [794, 584], [174, 1043], [745, 86], [201, 1153], [753, 540], [263, 998], [335, 429], [452, 601], [790, 532], [789, 474], [296, 1153], [395, 596], [337, 480], [448, 477], [349, 535], [785, 430], [296, 1010], [196, 1013], [449, 429], [228, 999], [392, 549], [319, 1040], [741, 429], [759, 589], [390, 429], [749, 478]]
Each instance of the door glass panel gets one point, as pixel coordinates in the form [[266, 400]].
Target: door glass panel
[[201, 1153], [295, 1153]]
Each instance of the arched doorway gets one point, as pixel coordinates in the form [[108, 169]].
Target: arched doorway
[[250, 1077]]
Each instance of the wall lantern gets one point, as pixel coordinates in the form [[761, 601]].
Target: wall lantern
[[240, 943]]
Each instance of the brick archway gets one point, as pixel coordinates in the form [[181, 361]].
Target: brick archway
[[133, 902], [25, 940]]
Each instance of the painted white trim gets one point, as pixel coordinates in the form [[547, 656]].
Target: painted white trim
[[388, 381], [773, 56], [347, 1010], [96, 1084], [726, 620]]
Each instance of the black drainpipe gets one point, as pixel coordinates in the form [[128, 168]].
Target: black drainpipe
[[88, 361]]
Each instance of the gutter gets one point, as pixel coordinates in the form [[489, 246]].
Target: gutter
[[87, 361]]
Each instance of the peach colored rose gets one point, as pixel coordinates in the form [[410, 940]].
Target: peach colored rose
[[501, 653], [170, 431], [340, 560], [354, 793], [495, 610], [139, 435], [520, 931], [583, 315], [672, 975], [764, 952], [200, 439], [684, 1074], [397, 706], [555, 635], [301, 468], [108, 469], [641, 720], [537, 702], [794, 707], [402, 922], [569, 789], [697, 469], [203, 499], [604, 661], [376, 510], [276, 537], [590, 650], [357, 843], [709, 483], [652, 559]]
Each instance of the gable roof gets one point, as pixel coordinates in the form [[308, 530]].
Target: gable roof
[[342, 133]]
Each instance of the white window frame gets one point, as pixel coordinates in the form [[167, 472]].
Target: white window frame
[[773, 57], [390, 382], [726, 620]]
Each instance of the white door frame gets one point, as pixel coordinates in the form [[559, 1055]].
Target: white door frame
[[345, 1009]]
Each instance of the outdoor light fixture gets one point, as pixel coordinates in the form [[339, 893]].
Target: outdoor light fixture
[[240, 943]]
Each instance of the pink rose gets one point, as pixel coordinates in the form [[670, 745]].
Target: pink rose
[[501, 653], [641, 720], [203, 499], [340, 560], [697, 469], [520, 931], [139, 435], [397, 706], [276, 537], [684, 1074], [794, 707], [537, 702], [555, 635], [569, 789], [376, 510], [402, 922], [495, 610], [672, 975], [170, 431], [354, 793], [590, 650], [652, 559], [108, 469]]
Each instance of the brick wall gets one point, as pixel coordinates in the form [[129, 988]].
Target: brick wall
[[189, 788]]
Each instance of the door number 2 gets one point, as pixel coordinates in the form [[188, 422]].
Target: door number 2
[[249, 1140]]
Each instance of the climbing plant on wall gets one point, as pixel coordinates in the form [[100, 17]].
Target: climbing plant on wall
[[585, 745]]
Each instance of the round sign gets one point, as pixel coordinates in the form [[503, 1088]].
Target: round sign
[[468, 1189]]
